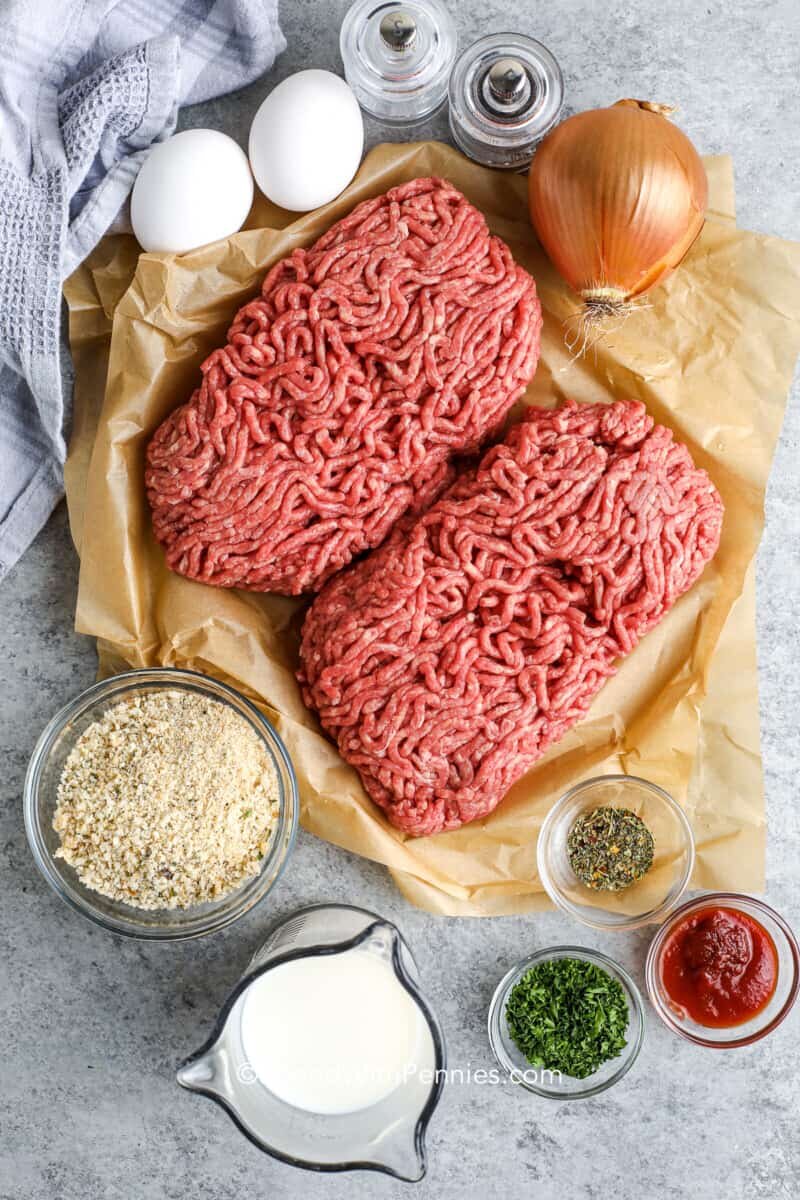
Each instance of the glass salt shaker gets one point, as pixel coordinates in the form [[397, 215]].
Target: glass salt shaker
[[398, 57], [506, 92]]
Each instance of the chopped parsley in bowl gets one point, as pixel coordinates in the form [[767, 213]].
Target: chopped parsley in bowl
[[566, 1022]]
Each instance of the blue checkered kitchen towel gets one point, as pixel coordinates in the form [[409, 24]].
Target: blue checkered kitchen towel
[[85, 87]]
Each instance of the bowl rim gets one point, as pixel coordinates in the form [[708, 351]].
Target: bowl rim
[[628, 1056], [728, 900], [160, 677], [625, 924]]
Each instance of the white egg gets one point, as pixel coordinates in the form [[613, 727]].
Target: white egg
[[194, 188], [306, 140]]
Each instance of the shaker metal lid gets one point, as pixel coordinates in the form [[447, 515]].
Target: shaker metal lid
[[398, 30], [506, 86], [398, 55]]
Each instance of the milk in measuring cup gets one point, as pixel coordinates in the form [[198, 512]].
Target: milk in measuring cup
[[334, 1033]]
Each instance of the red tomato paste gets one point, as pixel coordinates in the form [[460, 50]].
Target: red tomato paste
[[719, 966]]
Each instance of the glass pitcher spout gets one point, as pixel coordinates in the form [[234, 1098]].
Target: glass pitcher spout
[[389, 1134], [195, 1076], [403, 1154], [203, 1074]]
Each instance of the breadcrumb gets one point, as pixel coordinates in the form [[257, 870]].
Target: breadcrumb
[[168, 800]]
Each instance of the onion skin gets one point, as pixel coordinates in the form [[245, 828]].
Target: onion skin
[[617, 197]]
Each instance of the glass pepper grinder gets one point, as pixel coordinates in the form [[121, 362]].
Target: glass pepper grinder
[[506, 91], [398, 57]]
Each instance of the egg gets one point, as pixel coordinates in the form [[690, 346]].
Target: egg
[[306, 140], [193, 188]]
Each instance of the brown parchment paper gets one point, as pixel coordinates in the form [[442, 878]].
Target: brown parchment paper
[[711, 355]]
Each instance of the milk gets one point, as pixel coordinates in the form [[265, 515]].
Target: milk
[[333, 1033]]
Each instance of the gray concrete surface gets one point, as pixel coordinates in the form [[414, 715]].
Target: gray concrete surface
[[93, 1026]]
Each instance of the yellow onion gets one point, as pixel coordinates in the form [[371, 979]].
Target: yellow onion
[[617, 196]]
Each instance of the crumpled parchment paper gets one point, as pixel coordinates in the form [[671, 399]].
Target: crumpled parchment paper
[[711, 354]]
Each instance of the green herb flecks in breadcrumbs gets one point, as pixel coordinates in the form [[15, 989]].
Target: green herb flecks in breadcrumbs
[[568, 1015]]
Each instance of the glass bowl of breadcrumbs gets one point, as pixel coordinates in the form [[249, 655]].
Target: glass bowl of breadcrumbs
[[161, 804]]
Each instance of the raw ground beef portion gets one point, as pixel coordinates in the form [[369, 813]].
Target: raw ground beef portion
[[402, 337], [446, 662]]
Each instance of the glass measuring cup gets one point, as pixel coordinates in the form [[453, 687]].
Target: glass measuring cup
[[389, 1136]]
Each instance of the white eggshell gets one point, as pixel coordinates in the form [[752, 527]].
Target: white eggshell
[[194, 188], [306, 140]]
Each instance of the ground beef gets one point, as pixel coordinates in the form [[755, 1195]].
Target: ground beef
[[403, 336], [446, 662]]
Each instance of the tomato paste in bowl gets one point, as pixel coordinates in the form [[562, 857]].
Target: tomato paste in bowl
[[723, 970]]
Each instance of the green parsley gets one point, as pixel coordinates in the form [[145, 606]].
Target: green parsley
[[568, 1015]]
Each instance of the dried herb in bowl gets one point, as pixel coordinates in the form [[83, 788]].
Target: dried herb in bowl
[[610, 848], [568, 1015]]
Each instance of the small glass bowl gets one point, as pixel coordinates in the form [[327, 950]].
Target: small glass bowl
[[785, 991], [650, 898], [40, 798], [546, 1083]]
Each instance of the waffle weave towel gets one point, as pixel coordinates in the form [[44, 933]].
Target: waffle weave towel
[[85, 87]]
